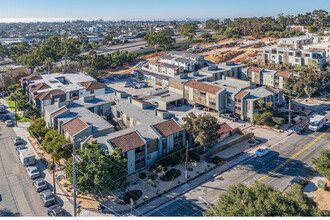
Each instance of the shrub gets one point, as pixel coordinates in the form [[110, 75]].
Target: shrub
[[142, 175], [134, 194], [171, 174], [65, 184], [278, 120], [216, 160], [277, 126], [153, 176]]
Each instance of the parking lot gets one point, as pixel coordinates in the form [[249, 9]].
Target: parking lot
[[118, 84]]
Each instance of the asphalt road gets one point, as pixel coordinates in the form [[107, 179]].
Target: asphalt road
[[286, 160], [17, 195]]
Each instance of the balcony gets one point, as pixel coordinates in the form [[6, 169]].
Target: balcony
[[139, 165], [139, 155], [177, 140]]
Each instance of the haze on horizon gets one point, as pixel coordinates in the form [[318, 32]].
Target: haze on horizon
[[63, 10]]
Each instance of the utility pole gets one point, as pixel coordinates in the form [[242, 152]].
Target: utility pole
[[186, 171], [54, 175], [74, 178], [3, 85], [290, 109]]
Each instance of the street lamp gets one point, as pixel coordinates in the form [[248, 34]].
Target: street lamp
[[201, 198]]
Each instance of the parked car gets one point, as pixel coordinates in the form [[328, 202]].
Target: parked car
[[102, 80], [128, 84], [17, 140], [262, 151], [9, 123], [47, 197], [56, 210], [124, 76], [298, 129], [5, 117], [141, 48], [109, 90], [19, 148], [2, 109], [32, 172], [110, 78], [228, 116], [40, 184], [298, 180]]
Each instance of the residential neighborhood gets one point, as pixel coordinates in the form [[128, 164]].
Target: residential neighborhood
[[155, 117]]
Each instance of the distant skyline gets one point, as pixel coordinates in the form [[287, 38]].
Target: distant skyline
[[62, 10]]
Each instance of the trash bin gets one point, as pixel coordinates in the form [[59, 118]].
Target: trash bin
[[322, 184]]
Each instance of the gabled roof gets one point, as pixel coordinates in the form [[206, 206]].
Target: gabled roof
[[167, 128], [39, 86], [284, 74], [241, 94], [58, 111], [203, 86], [127, 141], [49, 94], [224, 128], [272, 90], [74, 126], [255, 69], [92, 85]]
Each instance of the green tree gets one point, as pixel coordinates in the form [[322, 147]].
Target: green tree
[[322, 163], [312, 29], [202, 128], [269, 105], [207, 37], [278, 120], [23, 105], [188, 30], [261, 104], [264, 200], [38, 128], [265, 118], [53, 142], [98, 170]]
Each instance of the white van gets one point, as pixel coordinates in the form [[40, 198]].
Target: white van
[[27, 157], [316, 122]]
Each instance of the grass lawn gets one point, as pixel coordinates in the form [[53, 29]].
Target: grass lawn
[[10, 103], [21, 119]]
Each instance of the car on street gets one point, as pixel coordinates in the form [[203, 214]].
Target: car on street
[[141, 48], [56, 210], [298, 129], [262, 151], [17, 140], [110, 78], [40, 184], [128, 84], [9, 123], [47, 197], [102, 80], [298, 180], [20, 147], [5, 117], [32, 172]]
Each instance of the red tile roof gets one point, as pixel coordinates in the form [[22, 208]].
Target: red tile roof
[[284, 74], [241, 94], [39, 86], [127, 141], [59, 111], [255, 69], [74, 126], [224, 128], [92, 85], [272, 90], [167, 128], [203, 86], [49, 94]]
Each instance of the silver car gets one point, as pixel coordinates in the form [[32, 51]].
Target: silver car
[[33, 172], [47, 197], [40, 184]]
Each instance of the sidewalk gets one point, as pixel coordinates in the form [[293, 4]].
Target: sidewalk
[[21, 131]]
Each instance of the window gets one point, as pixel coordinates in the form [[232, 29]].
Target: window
[[212, 103], [237, 100], [203, 93], [273, 57], [291, 54], [238, 108], [228, 100], [148, 156], [297, 60], [280, 52], [92, 91], [307, 55], [176, 135]]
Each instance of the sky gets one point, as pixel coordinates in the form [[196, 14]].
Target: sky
[[30, 10]]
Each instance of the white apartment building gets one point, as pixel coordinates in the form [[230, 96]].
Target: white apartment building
[[188, 65], [324, 46], [295, 42]]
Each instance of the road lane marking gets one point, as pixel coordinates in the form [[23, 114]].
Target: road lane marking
[[287, 161]]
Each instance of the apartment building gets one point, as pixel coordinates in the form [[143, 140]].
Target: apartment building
[[165, 69], [264, 77], [295, 42], [198, 59], [187, 64], [46, 89], [217, 72], [322, 47], [278, 55]]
